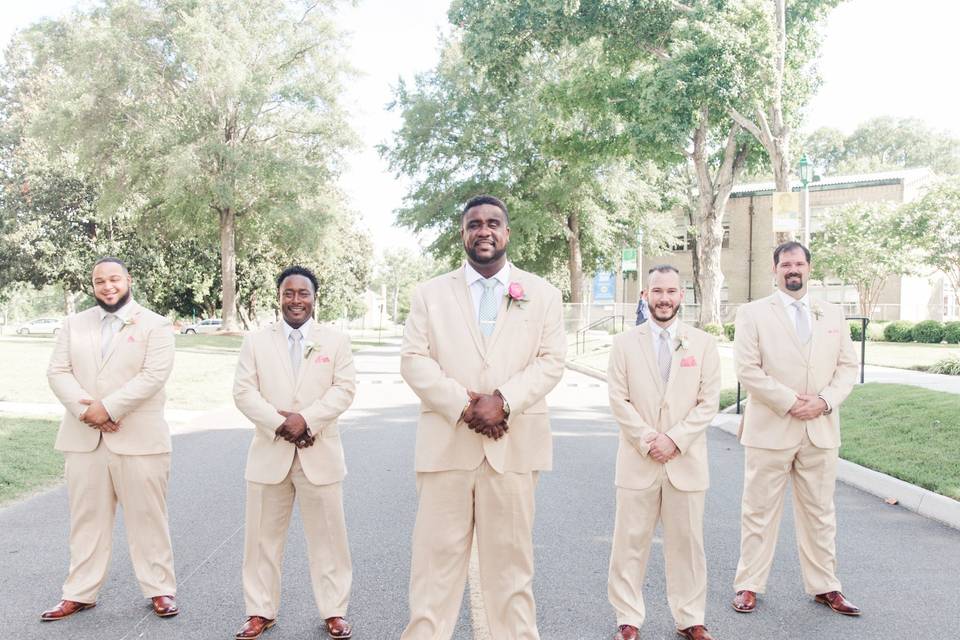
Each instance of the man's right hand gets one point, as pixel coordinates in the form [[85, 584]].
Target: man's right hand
[[484, 427]]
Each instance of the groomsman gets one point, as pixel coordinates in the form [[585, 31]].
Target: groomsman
[[483, 346], [108, 369], [797, 363], [294, 378], [664, 384]]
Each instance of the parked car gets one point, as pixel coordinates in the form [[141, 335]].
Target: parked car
[[204, 326], [49, 326]]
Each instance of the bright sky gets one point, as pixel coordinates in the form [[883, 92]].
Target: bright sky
[[881, 57]]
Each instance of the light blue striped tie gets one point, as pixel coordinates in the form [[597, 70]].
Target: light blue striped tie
[[489, 306]]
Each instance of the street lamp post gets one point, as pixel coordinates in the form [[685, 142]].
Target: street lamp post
[[805, 175]]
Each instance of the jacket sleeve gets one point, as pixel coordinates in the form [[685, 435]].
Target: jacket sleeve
[[339, 396], [60, 374], [698, 419], [529, 385], [749, 366], [632, 424], [157, 365], [246, 391], [436, 390]]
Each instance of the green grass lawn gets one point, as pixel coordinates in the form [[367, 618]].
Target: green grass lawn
[[906, 432], [28, 461], [907, 355]]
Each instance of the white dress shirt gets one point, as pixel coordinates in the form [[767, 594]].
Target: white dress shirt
[[656, 330], [792, 311], [304, 332], [476, 287], [120, 316]]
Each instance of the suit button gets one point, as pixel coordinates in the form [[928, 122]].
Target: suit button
[[486, 365]]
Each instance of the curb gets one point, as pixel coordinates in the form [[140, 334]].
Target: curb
[[917, 499]]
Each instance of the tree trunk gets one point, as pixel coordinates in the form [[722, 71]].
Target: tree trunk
[[69, 302], [228, 268], [574, 258]]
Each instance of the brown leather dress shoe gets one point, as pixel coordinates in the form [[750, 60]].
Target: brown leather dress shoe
[[338, 628], [745, 601], [627, 632], [836, 601], [165, 606], [254, 627], [65, 609], [696, 632]]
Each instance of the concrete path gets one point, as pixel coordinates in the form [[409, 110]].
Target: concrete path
[[901, 568]]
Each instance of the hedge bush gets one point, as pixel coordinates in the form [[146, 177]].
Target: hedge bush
[[899, 331], [951, 332], [729, 329], [949, 365], [714, 329], [928, 332], [856, 330]]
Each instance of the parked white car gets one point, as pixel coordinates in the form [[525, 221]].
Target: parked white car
[[47, 326], [210, 325]]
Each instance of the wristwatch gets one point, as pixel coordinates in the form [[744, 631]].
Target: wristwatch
[[829, 409], [506, 405]]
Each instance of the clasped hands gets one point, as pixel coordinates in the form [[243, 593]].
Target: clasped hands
[[662, 448], [484, 414], [808, 407], [294, 430], [95, 416]]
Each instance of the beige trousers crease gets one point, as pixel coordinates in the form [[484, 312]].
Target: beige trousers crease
[[452, 505], [681, 513], [814, 474], [96, 482], [268, 511]]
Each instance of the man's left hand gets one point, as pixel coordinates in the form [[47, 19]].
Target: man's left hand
[[293, 429], [662, 448], [811, 407], [95, 414]]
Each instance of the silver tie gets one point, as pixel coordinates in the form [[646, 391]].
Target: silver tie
[[489, 305], [803, 323], [106, 334], [664, 356], [296, 351]]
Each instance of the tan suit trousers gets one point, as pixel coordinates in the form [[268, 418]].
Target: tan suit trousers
[[96, 481], [681, 513], [500, 506], [814, 474], [268, 511]]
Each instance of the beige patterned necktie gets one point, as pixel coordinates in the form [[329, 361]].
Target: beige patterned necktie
[[296, 351], [664, 356], [106, 334], [803, 323]]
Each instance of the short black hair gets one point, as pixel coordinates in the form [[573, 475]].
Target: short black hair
[[789, 246], [663, 268], [476, 201], [297, 270], [113, 260]]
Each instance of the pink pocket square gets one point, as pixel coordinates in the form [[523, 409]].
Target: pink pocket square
[[130, 339], [689, 361], [322, 360]]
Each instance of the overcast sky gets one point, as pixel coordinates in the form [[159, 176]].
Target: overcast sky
[[881, 57]]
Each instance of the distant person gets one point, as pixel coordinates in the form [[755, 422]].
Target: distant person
[[797, 363], [294, 378], [643, 309], [664, 385], [108, 368]]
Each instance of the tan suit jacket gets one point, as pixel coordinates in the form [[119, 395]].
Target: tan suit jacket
[[683, 410], [129, 381], [322, 390], [774, 367], [444, 354]]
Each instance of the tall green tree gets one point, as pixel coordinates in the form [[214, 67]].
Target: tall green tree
[[396, 273], [933, 222], [204, 114]]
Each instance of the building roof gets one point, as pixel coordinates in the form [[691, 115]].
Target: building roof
[[827, 183]]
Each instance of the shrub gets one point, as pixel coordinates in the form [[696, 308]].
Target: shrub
[[875, 331], [951, 332], [856, 330], [949, 365], [928, 331], [899, 331], [714, 329], [729, 328]]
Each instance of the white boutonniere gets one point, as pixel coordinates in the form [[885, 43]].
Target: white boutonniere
[[816, 311], [308, 348], [682, 342], [129, 322]]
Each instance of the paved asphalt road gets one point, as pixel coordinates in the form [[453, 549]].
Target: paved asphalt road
[[902, 569]]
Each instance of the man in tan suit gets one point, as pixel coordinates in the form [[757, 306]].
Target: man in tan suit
[[664, 384], [483, 346], [294, 379], [108, 369], [797, 362]]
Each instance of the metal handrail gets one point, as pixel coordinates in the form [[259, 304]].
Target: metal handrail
[[593, 324]]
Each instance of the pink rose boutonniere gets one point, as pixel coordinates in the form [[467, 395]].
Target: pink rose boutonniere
[[515, 293]]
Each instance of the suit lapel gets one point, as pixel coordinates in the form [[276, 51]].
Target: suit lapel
[[789, 327], [461, 293], [281, 344], [314, 339], [94, 333], [504, 313], [120, 335], [676, 354], [646, 349]]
